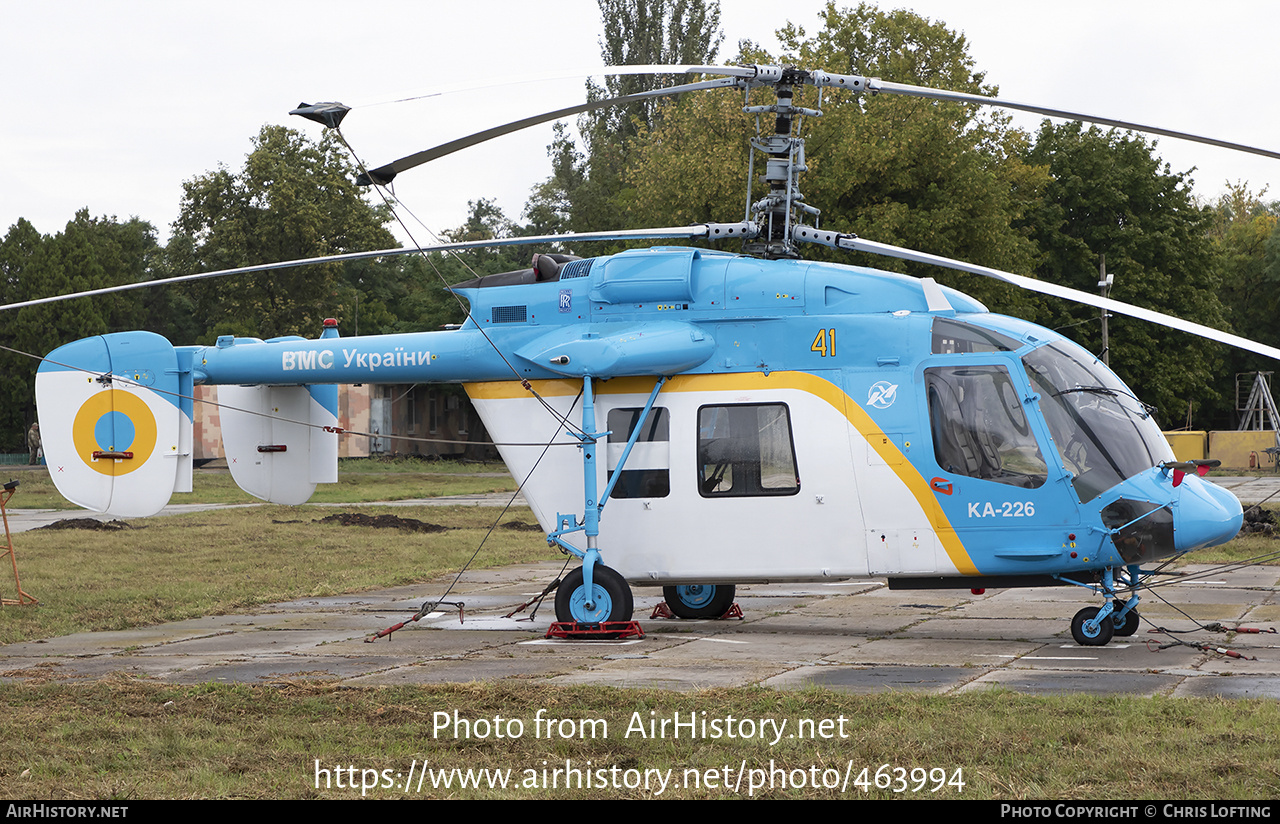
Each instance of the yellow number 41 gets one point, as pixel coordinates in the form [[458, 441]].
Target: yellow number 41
[[825, 343]]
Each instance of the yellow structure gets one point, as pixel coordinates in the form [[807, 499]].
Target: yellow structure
[[1242, 450], [1189, 445]]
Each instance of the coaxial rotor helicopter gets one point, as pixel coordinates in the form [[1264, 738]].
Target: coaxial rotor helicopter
[[739, 417]]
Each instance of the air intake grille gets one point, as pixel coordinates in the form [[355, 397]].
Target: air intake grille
[[510, 314], [576, 269]]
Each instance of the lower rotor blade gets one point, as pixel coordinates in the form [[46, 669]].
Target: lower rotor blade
[[712, 231]]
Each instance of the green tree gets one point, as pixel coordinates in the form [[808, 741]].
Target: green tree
[[550, 207], [648, 32], [1244, 229], [581, 193], [1110, 195], [422, 300], [294, 198], [90, 253]]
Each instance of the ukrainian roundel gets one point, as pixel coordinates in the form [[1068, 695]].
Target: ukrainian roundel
[[111, 407], [117, 422]]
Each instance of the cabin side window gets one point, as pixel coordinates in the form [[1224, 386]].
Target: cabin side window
[[979, 427], [647, 472], [746, 450]]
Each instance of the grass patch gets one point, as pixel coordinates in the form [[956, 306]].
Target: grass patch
[[360, 480], [1244, 549], [209, 563], [126, 739], [158, 741]]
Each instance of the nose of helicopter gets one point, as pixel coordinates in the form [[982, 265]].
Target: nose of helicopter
[[1206, 515]]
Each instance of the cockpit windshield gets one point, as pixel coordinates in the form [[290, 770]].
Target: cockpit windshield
[[1102, 432]]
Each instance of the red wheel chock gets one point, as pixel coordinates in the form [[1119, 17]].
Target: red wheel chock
[[663, 611], [605, 631]]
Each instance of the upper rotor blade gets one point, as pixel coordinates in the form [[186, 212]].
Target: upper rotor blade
[[875, 84], [1068, 293], [710, 230], [591, 71], [385, 174]]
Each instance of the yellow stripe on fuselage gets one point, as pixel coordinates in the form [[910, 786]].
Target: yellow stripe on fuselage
[[758, 381]]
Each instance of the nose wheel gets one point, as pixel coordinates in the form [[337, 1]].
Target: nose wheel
[[1118, 618], [1091, 632], [1127, 625]]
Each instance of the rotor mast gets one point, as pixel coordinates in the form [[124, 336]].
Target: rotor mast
[[775, 213]]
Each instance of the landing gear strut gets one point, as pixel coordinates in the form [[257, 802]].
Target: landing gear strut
[[1096, 626], [594, 594]]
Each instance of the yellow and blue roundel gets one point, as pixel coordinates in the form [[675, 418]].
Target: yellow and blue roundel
[[107, 395], [114, 421]]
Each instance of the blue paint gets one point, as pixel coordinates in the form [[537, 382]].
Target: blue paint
[[663, 312], [114, 432], [696, 595]]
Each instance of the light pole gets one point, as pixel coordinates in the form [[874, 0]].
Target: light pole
[[1104, 286]]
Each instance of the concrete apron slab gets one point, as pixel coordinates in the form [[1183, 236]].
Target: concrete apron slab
[[855, 636]]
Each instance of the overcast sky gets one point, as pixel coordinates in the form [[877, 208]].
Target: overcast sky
[[112, 105]]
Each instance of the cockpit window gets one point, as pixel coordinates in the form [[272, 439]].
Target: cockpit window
[[979, 427], [1102, 432], [951, 337]]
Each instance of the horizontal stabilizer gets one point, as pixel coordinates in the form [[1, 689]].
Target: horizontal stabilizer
[[115, 420], [275, 441]]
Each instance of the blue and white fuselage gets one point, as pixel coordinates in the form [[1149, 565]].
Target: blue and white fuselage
[[817, 421]]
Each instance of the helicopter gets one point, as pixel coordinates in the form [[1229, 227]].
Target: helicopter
[[695, 419]]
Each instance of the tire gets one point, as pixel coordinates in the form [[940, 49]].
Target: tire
[[1101, 636], [1130, 625], [612, 601], [699, 600]]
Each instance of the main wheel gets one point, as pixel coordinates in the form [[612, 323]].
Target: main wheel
[[610, 598], [1129, 625], [1099, 636], [699, 600]]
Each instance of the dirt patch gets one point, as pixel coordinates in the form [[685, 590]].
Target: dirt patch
[[521, 526], [44, 672], [381, 522], [89, 523], [1259, 521]]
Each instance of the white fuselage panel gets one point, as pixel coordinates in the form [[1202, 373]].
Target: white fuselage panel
[[852, 512]]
